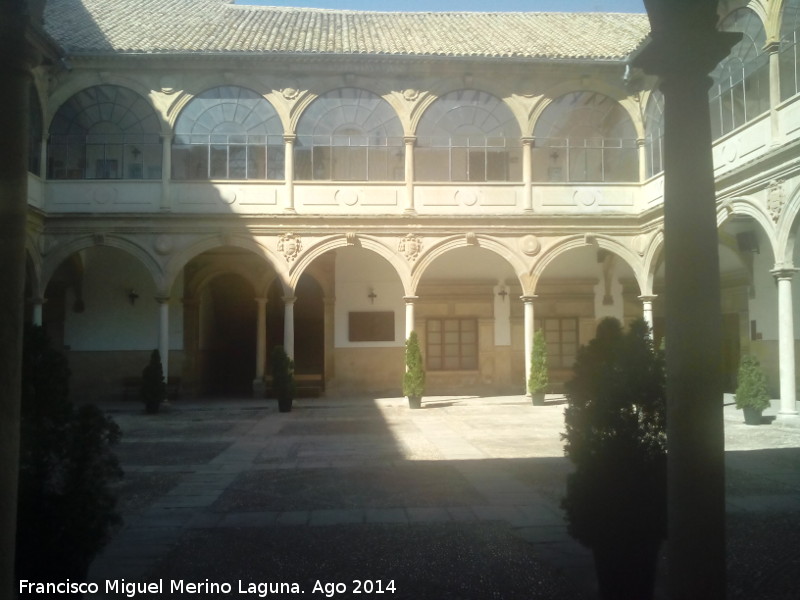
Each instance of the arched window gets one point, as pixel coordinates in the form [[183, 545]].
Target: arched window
[[585, 136], [228, 133], [790, 35], [349, 134], [468, 135], [105, 132], [654, 133], [741, 82], [35, 128]]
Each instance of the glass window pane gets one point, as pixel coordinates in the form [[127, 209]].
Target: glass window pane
[[107, 118], [237, 162], [256, 162], [218, 162]]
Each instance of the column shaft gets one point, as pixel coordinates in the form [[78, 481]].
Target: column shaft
[[409, 174], [14, 107], [163, 334], [288, 325], [529, 327], [786, 342], [647, 311], [261, 339], [684, 47], [289, 141], [166, 171], [527, 174], [410, 314]]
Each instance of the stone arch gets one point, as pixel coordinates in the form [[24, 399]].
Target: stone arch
[[652, 258], [488, 243], [430, 97], [787, 226], [309, 97], [237, 240], [61, 253], [341, 241], [578, 241], [753, 209], [586, 85], [80, 83]]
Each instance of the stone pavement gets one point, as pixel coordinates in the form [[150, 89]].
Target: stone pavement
[[458, 500]]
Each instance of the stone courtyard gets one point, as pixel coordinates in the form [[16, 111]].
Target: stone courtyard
[[458, 500]]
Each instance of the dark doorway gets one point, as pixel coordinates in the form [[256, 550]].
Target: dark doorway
[[230, 318]]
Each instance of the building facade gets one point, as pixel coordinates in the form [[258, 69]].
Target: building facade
[[213, 180]]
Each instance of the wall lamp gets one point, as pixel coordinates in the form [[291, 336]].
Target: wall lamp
[[132, 296], [372, 295], [502, 293]]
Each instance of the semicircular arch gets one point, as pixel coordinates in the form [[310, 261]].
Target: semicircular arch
[[579, 241], [443, 247], [749, 207], [176, 264], [334, 242], [60, 254]]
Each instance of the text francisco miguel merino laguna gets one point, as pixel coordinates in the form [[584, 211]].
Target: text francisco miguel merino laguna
[[172, 586]]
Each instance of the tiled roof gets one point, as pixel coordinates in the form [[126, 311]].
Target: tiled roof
[[190, 26]]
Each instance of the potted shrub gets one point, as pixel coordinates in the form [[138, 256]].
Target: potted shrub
[[282, 378], [414, 377], [538, 379], [615, 436], [154, 388], [751, 392]]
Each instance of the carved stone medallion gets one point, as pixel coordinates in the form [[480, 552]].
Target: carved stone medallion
[[290, 246], [410, 247]]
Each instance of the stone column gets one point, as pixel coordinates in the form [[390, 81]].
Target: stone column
[[786, 342], [261, 348], [166, 171], [773, 49], [410, 314], [288, 325], [163, 333], [684, 47], [528, 328], [329, 303], [527, 174], [15, 73], [647, 311], [288, 161], [38, 304], [409, 142]]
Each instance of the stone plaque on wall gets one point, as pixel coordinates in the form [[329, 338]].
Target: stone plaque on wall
[[374, 326]]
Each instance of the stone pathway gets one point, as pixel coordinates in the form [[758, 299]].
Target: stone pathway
[[203, 473]]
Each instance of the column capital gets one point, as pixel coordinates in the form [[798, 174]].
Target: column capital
[[409, 140], [289, 299], [289, 138], [783, 272], [772, 47], [410, 299], [261, 299], [647, 297], [527, 140], [162, 299], [528, 298], [684, 40]]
